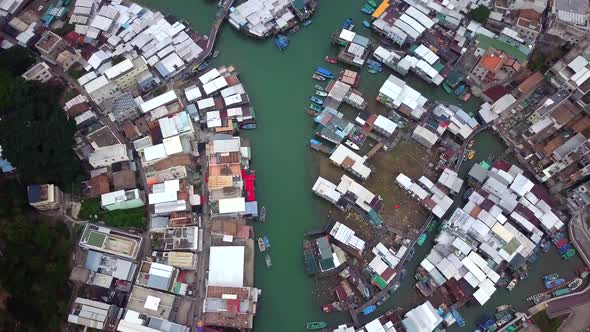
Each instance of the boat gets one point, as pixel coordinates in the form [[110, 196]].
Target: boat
[[421, 239], [281, 42], [351, 145], [372, 3], [312, 112], [369, 309], [561, 292], [324, 72], [262, 214], [316, 100], [459, 90], [315, 325], [261, 245], [372, 62], [505, 318], [267, 260], [536, 296], [321, 93], [319, 87], [512, 284], [569, 254], [458, 318], [466, 97], [215, 54], [294, 29], [575, 284], [248, 126], [318, 77], [315, 107], [554, 283], [550, 277], [347, 23], [366, 23], [382, 300], [372, 71], [203, 66], [366, 9], [502, 307], [470, 154], [266, 241], [331, 60], [307, 23]]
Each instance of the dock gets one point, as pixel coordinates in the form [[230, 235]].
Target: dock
[[319, 146], [374, 150]]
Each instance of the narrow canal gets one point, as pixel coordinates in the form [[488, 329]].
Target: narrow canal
[[278, 85]]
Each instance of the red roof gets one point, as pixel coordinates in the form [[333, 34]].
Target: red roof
[[496, 92], [233, 305], [249, 186]]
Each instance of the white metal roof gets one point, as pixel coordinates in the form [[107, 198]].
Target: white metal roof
[[226, 266], [203, 104], [158, 101], [154, 152], [192, 93], [347, 35], [209, 76], [385, 124], [118, 69], [96, 84], [232, 205]]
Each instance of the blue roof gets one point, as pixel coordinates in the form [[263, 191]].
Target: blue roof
[[158, 282], [93, 260], [34, 193], [252, 208]]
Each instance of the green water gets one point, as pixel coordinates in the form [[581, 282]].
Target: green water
[[278, 85]]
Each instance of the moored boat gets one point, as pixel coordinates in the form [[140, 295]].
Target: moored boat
[[554, 283], [331, 60], [347, 23], [421, 239], [366, 9], [569, 254], [261, 245], [262, 214], [324, 72], [315, 107], [307, 22], [321, 93], [470, 154], [372, 71], [372, 3], [267, 260], [266, 241], [316, 100], [318, 77], [294, 29], [369, 309], [458, 318], [561, 292], [536, 296], [203, 66], [249, 126], [318, 87], [315, 325], [550, 277], [312, 112], [575, 284], [512, 284], [215, 54], [366, 23], [281, 42], [351, 145]]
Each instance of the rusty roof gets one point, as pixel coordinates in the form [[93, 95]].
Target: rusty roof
[[124, 180], [531, 82], [98, 185]]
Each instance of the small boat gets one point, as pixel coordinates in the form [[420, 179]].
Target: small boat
[[331, 60], [575, 284], [351, 145], [561, 292], [324, 72], [470, 154], [261, 245], [366, 23], [294, 29], [215, 54], [315, 107], [366, 9], [382, 300], [316, 100], [372, 71], [266, 241], [307, 22], [315, 325], [512, 284], [249, 126], [550, 277], [372, 3], [347, 23], [318, 87], [569, 254], [458, 318], [312, 112], [466, 97], [318, 77], [262, 214], [564, 249], [369, 309], [281, 42], [421, 239], [321, 93], [502, 307], [203, 66], [554, 283], [267, 260]]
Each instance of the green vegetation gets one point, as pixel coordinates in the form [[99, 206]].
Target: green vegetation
[[35, 252], [547, 324], [544, 57], [35, 134], [479, 14], [91, 210], [67, 28], [486, 42], [76, 71], [117, 59]]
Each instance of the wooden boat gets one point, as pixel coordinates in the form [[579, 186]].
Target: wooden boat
[[318, 87], [466, 97], [331, 60], [315, 325], [267, 260], [366, 23], [321, 93], [318, 77], [261, 245], [575, 284], [550, 277], [307, 22], [262, 214]]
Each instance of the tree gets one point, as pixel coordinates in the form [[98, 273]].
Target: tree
[[35, 134], [16, 60], [480, 14]]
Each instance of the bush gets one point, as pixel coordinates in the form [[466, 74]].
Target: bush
[[479, 14], [91, 210]]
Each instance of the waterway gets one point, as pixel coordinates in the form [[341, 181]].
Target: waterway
[[278, 85]]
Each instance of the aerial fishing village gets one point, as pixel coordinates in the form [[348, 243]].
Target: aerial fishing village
[[488, 223], [159, 131]]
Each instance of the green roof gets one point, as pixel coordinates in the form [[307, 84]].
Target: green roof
[[377, 280], [486, 42], [511, 246], [375, 217], [327, 264], [310, 263], [96, 239]]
